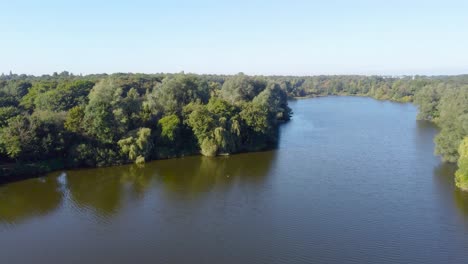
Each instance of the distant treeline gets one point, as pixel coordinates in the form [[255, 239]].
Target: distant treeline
[[98, 120], [440, 99]]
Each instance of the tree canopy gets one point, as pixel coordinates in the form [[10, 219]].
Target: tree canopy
[[102, 120]]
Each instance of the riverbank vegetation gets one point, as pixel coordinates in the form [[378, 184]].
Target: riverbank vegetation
[[461, 176], [99, 120]]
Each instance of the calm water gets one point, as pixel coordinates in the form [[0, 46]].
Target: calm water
[[354, 180]]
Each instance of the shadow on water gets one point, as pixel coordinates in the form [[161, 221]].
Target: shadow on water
[[424, 126], [425, 132], [444, 173], [461, 200], [31, 198], [197, 175], [104, 191]]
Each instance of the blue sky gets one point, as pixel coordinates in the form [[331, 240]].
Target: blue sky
[[255, 37]]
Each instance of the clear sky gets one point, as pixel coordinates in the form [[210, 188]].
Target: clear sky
[[255, 37]]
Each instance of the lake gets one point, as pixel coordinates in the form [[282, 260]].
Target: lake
[[353, 180]]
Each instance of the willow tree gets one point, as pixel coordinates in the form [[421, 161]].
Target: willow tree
[[138, 146], [216, 126], [169, 127]]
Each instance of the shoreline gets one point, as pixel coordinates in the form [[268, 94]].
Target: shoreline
[[19, 172], [14, 172]]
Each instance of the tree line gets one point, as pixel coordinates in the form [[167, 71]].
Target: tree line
[[98, 120], [63, 120]]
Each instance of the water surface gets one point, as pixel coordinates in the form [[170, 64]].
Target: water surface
[[354, 180]]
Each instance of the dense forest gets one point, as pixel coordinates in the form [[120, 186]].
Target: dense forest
[[65, 120]]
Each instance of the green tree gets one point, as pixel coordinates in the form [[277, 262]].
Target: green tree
[[177, 91], [256, 117], [427, 99], [7, 113], [138, 146], [241, 88], [215, 125], [16, 136], [28, 101], [35, 137], [65, 96], [453, 110], [99, 118], [74, 120], [169, 127], [461, 176]]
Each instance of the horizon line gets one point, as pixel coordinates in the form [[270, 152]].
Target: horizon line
[[69, 73]]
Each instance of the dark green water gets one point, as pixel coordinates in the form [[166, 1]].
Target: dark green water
[[354, 180]]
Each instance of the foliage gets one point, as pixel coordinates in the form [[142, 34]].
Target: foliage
[[177, 91], [6, 113], [103, 118], [74, 120], [453, 121], [169, 126], [241, 88], [33, 137], [461, 176], [64, 97], [137, 146]]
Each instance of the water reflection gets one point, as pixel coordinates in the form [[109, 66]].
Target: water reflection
[[461, 200], [35, 197], [104, 191], [424, 133], [444, 174], [197, 175]]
